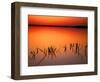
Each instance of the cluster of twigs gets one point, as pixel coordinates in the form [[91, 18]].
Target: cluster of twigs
[[52, 51]]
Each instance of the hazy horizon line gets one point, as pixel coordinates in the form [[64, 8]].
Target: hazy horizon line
[[77, 26]]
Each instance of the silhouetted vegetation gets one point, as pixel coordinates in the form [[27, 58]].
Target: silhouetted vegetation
[[51, 52]]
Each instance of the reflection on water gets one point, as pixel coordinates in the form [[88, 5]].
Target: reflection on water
[[57, 46]]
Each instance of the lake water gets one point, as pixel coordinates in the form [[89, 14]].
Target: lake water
[[57, 45]]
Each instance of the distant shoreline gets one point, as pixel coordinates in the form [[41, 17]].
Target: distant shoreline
[[59, 26]]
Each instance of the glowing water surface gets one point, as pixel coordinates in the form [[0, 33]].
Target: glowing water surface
[[56, 45]]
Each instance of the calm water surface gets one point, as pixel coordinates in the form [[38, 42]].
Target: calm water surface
[[57, 46]]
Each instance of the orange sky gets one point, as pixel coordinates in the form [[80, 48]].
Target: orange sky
[[57, 20]]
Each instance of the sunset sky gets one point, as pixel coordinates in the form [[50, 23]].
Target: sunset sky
[[57, 20]]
